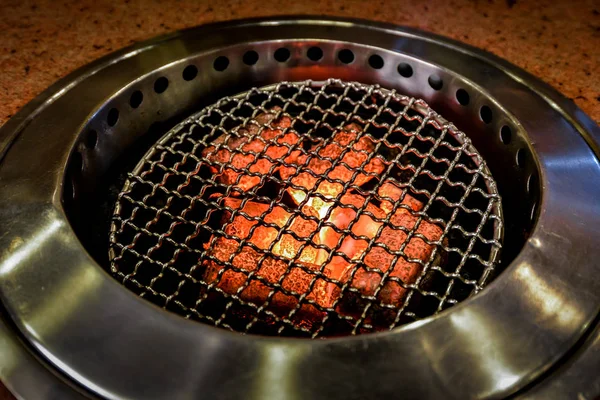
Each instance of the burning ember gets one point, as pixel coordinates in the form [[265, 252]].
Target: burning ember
[[323, 245]]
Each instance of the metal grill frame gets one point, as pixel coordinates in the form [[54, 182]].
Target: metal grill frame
[[227, 108]]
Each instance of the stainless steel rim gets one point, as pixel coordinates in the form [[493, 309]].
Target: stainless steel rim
[[57, 295]]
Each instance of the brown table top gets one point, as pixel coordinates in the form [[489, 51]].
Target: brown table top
[[42, 41]]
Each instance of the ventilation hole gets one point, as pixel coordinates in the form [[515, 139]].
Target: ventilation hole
[[189, 72], [136, 99], [314, 53], [486, 114], [405, 70], [221, 63], [282, 54], [532, 184], [250, 57], [521, 158], [76, 162], [375, 61], [346, 56], [462, 96], [505, 134], [161, 84], [435, 82], [91, 139], [75, 168], [68, 189], [112, 117]]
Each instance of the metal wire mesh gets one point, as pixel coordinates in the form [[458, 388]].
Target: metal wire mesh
[[309, 209]]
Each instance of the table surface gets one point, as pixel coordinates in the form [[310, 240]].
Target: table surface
[[42, 41]]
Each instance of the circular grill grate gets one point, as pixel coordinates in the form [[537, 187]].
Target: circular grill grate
[[309, 209]]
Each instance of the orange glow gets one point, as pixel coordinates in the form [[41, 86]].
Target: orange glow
[[281, 247]]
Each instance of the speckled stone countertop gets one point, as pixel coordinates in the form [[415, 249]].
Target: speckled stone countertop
[[42, 41]]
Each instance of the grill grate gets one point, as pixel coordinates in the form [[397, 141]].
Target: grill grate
[[309, 209]]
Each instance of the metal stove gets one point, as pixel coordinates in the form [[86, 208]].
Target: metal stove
[[319, 208]]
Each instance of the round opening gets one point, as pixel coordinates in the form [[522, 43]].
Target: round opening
[[189, 72], [521, 158], [314, 53], [486, 114], [532, 183], [505, 134], [91, 139], [76, 163], [250, 57], [435, 82], [112, 117], [161, 84], [68, 189], [282, 54], [375, 61], [405, 70], [136, 99], [462, 96], [221, 63], [346, 56]]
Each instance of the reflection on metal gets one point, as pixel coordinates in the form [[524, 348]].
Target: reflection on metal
[[25, 376], [537, 243], [10, 355], [496, 368], [90, 385], [551, 303], [24, 248], [49, 317], [277, 373]]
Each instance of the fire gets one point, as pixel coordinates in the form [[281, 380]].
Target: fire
[[332, 234]]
